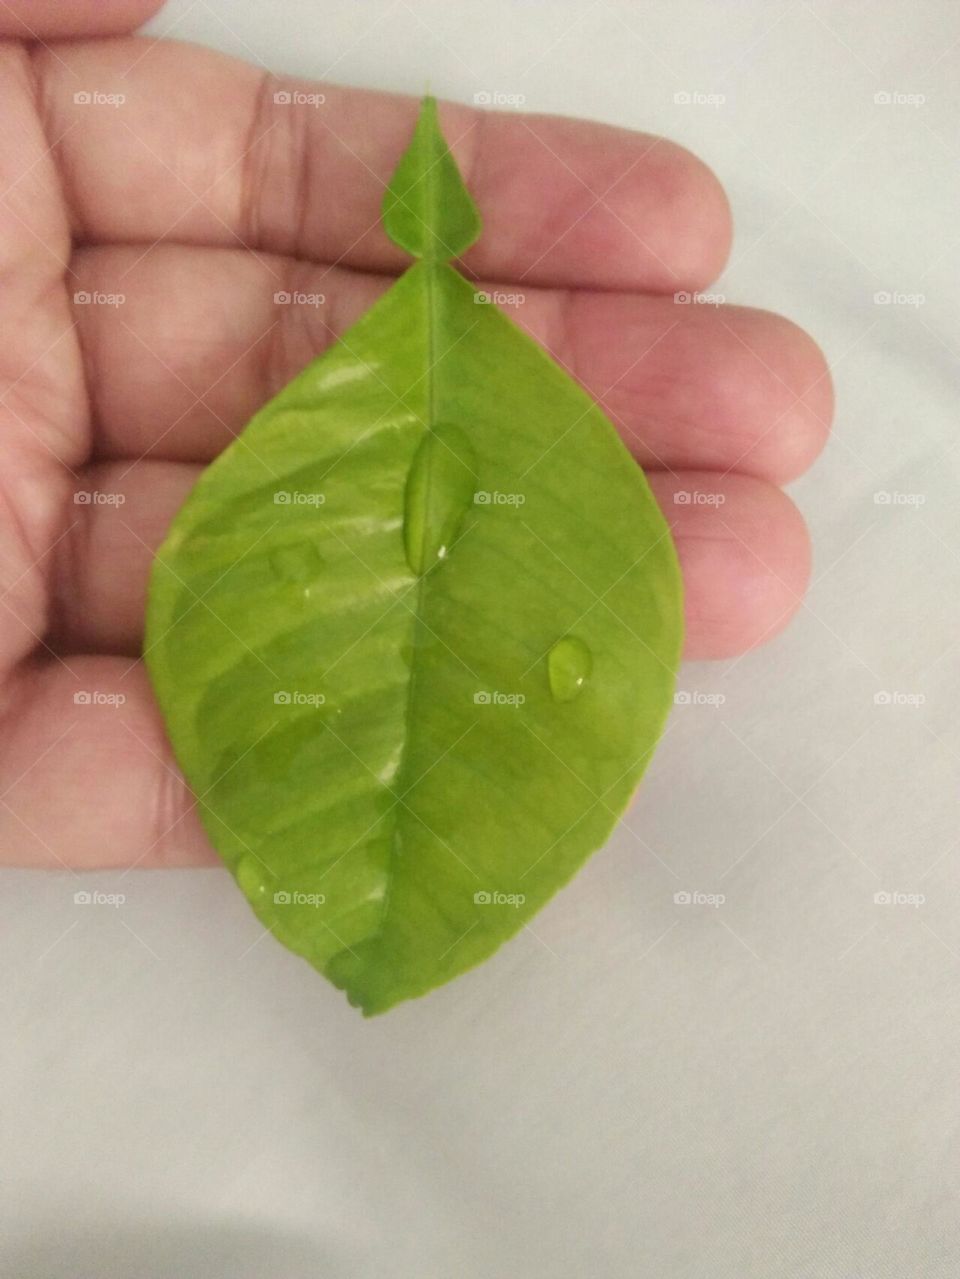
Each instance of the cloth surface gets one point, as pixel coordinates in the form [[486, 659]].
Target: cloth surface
[[636, 1086]]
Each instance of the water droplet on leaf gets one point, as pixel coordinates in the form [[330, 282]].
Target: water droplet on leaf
[[569, 666], [254, 878], [301, 562], [440, 487]]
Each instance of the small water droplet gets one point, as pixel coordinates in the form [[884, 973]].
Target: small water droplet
[[440, 487], [569, 666], [301, 562], [254, 878]]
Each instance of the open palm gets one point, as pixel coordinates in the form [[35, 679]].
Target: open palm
[[169, 219]]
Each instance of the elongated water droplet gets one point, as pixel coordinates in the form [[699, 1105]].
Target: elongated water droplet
[[569, 666], [254, 878], [440, 487], [301, 562]]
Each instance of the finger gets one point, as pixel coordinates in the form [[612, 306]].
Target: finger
[[742, 545], [52, 19], [198, 344], [188, 145], [744, 554], [43, 423], [87, 778]]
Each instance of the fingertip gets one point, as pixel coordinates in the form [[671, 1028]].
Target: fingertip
[[664, 224], [575, 202], [806, 373], [696, 229], [745, 556]]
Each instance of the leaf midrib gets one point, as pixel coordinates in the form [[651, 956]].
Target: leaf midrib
[[431, 264]]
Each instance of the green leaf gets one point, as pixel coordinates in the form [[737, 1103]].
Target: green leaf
[[414, 633]]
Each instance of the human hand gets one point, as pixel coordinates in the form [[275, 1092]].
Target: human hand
[[168, 176]]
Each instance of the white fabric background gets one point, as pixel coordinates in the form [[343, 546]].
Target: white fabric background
[[764, 1088]]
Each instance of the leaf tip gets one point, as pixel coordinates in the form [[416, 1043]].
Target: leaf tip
[[427, 209]]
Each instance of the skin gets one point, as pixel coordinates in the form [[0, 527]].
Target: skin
[[198, 199]]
